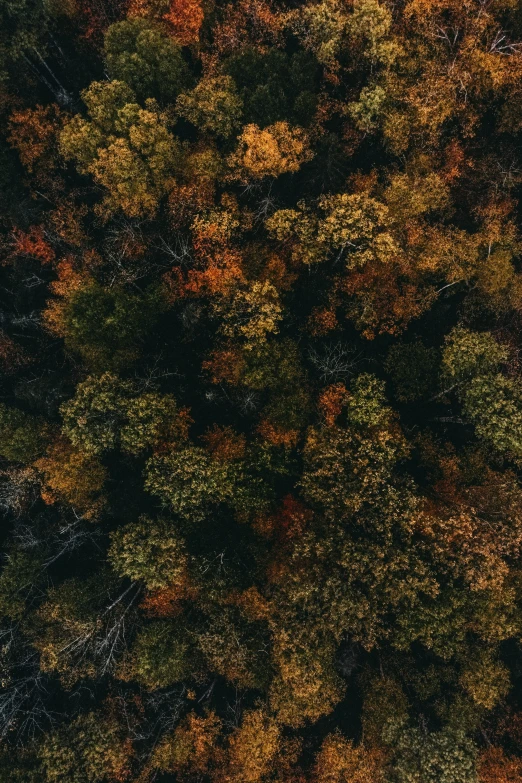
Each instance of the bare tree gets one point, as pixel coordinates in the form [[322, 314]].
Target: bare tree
[[101, 641], [19, 490], [335, 361], [24, 692]]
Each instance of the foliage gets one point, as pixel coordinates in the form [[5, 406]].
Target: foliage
[[22, 436], [261, 391], [128, 150], [104, 326], [108, 412], [141, 55], [275, 150], [149, 551], [213, 106]]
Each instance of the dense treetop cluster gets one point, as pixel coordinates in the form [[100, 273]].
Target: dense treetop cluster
[[261, 391]]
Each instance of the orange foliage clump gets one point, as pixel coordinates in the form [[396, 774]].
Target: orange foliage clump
[[331, 402], [226, 366], [224, 444], [34, 133], [277, 273], [321, 321], [220, 274], [192, 748], [246, 21], [219, 266], [269, 152], [454, 163], [73, 477], [495, 767], [32, 243], [166, 602], [387, 299], [290, 521], [252, 603], [278, 436], [182, 18], [70, 279], [339, 761]]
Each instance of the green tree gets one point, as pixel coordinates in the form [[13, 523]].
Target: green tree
[[22, 575], [469, 354], [108, 413], [234, 648], [345, 466], [106, 326], [91, 749], [421, 757], [162, 654], [189, 481], [494, 405], [213, 106], [274, 86], [23, 24], [492, 401], [140, 54], [150, 551], [22, 436]]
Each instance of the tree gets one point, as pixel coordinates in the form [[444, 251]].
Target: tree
[[306, 686], [22, 575], [150, 551], [23, 23], [273, 85], [496, 767], [492, 401], [469, 354], [192, 749], [128, 150], [22, 437], [80, 628], [34, 134], [251, 312], [354, 225], [213, 106], [72, 476], [162, 654], [439, 756], [494, 405], [254, 748], [90, 749], [278, 149], [93, 417], [183, 18], [340, 760], [105, 327], [107, 412], [334, 457], [323, 28], [189, 481], [485, 679], [234, 648], [138, 53]]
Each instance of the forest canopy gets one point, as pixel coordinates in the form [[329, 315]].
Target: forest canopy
[[261, 391]]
